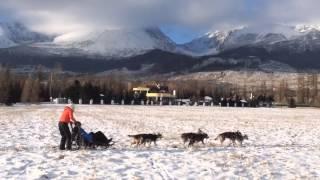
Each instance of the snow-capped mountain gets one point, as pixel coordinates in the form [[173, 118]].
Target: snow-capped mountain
[[215, 42], [208, 44], [13, 33], [116, 43], [5, 42], [100, 50], [302, 28], [308, 41]]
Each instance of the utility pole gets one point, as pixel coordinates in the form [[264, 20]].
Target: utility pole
[[50, 88]]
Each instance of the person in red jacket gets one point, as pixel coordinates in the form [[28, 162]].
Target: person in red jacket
[[66, 119]]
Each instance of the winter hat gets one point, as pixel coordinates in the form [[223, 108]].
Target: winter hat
[[71, 106]]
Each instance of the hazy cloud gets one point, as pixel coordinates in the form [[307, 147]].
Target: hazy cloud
[[69, 15]]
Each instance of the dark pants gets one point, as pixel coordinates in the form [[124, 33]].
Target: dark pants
[[65, 136]]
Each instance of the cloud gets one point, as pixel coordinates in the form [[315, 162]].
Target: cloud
[[286, 12], [61, 16]]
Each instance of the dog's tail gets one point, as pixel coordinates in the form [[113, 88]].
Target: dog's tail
[[130, 135]]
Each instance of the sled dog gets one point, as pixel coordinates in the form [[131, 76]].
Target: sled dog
[[139, 139], [194, 137], [232, 136]]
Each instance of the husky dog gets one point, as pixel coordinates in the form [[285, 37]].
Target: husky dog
[[194, 137], [140, 139], [233, 136]]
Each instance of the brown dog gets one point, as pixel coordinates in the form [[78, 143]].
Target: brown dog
[[233, 136], [194, 137], [140, 139]]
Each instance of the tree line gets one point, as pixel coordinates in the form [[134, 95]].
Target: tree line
[[39, 87]]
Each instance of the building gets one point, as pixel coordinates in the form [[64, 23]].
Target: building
[[154, 94]]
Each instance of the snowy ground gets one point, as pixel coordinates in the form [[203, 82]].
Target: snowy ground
[[283, 143]]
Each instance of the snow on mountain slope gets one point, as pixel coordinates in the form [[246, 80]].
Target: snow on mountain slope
[[118, 43], [20, 34], [302, 28], [207, 44], [307, 41], [4, 41], [217, 41]]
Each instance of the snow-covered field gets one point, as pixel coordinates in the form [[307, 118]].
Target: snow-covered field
[[283, 143]]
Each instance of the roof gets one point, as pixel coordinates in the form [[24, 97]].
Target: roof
[[141, 89]]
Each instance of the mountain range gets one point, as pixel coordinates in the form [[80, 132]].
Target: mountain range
[[149, 50]]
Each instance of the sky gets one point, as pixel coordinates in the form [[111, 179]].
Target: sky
[[182, 20]]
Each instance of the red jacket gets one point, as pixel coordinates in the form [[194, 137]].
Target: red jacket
[[67, 115]]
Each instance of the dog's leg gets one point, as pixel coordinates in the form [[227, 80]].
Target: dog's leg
[[188, 141], [221, 141], [136, 143], [139, 142], [191, 142], [184, 142], [233, 143]]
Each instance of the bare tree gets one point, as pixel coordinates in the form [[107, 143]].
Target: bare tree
[[301, 89], [5, 85], [26, 91]]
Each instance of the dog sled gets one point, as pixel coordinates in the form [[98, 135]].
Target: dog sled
[[89, 140]]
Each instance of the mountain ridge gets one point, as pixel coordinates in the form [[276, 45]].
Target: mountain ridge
[[151, 51]]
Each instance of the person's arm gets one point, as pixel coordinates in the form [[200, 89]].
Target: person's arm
[[73, 120]]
